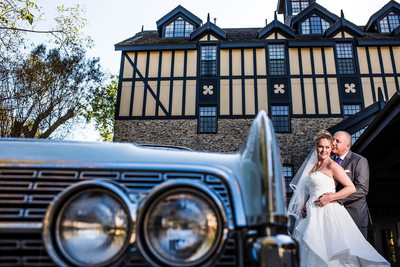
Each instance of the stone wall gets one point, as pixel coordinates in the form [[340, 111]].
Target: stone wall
[[230, 136], [294, 146]]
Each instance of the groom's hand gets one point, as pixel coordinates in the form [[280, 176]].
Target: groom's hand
[[304, 212], [324, 200], [329, 193]]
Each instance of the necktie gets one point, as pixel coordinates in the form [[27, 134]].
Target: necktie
[[339, 160]]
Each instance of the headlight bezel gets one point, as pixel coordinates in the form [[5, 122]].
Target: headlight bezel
[[172, 187], [51, 221]]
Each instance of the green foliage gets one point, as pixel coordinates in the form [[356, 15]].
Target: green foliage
[[70, 21], [15, 15], [18, 18], [12, 12], [102, 109]]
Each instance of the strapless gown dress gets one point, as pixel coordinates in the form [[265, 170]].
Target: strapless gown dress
[[328, 235]]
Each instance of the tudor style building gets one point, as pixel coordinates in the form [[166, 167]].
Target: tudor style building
[[193, 84]]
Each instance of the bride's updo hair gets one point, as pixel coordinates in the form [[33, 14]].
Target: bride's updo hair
[[324, 134]]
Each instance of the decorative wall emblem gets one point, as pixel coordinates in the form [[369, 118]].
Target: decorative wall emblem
[[279, 89], [208, 90], [349, 88]]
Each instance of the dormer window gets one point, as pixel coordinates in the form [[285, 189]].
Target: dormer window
[[314, 25], [298, 6], [389, 23], [178, 28]]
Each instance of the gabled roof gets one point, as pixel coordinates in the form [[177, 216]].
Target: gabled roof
[[343, 24], [208, 28], [178, 11], [152, 40], [379, 144], [311, 9], [276, 26], [396, 31], [392, 5], [388, 117]]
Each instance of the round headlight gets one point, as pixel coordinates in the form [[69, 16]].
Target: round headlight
[[182, 227], [92, 228], [89, 224]]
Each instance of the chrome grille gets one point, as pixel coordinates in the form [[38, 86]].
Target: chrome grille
[[18, 249], [28, 250], [26, 193]]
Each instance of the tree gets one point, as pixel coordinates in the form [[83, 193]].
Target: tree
[[46, 90], [15, 17], [18, 17], [102, 109]]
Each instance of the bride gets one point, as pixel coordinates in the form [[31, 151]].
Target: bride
[[328, 235]]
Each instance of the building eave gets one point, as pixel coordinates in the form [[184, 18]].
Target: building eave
[[314, 7], [390, 111], [276, 26], [373, 19], [208, 28]]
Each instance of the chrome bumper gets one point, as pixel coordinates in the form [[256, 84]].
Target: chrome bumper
[[277, 251]]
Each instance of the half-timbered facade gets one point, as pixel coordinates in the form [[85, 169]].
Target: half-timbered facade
[[194, 84]]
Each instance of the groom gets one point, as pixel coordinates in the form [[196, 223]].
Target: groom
[[356, 167]]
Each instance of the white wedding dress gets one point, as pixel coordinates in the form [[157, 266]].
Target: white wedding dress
[[328, 235]]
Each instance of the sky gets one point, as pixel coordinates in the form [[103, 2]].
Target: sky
[[112, 21]]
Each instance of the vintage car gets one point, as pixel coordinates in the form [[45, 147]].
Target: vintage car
[[69, 203]]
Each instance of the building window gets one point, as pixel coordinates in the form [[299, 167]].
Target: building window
[[178, 28], [208, 119], [288, 175], [277, 65], [280, 118], [389, 23], [345, 58], [298, 6], [314, 25], [188, 29], [349, 110], [209, 60], [356, 135]]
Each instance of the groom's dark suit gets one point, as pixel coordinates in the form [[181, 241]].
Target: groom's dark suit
[[356, 167]]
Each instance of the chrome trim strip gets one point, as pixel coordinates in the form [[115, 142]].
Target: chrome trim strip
[[222, 171], [262, 148], [20, 227]]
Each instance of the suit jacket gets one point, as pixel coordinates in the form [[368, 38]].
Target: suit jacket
[[356, 167]]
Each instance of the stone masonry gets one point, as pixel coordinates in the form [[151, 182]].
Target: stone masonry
[[294, 146]]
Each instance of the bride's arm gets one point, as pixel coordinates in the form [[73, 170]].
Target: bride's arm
[[348, 187], [304, 209]]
